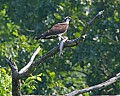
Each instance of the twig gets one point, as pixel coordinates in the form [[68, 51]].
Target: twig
[[101, 85]]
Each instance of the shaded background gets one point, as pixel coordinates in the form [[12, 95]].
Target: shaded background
[[95, 60]]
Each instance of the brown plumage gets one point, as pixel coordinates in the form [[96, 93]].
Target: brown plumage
[[56, 30]]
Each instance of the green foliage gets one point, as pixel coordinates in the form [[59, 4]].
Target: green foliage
[[5, 83], [92, 62], [30, 82]]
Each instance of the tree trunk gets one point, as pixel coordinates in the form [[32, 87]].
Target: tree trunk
[[15, 84]]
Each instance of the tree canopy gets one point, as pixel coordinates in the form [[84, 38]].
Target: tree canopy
[[92, 62]]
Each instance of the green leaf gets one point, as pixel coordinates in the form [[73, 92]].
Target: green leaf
[[38, 78], [15, 33], [52, 74]]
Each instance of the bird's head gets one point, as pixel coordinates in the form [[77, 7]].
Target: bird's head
[[67, 19]]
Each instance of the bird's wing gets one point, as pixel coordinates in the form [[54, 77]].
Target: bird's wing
[[59, 28]]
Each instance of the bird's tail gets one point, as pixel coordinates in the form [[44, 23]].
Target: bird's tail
[[39, 37]]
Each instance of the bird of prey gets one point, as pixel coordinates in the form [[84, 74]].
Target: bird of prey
[[56, 31]]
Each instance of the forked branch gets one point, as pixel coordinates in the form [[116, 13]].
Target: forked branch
[[31, 66]]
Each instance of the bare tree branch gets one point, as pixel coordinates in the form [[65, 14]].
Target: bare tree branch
[[36, 63], [24, 69], [101, 85], [69, 43], [99, 15], [12, 64]]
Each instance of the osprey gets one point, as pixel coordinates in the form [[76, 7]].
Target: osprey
[[56, 31]]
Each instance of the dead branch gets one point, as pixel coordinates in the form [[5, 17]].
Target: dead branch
[[24, 69], [99, 86], [12, 65]]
